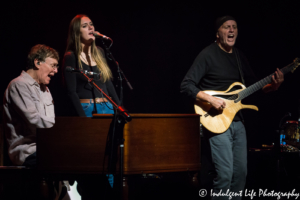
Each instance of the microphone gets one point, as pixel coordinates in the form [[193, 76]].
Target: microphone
[[99, 35], [70, 69]]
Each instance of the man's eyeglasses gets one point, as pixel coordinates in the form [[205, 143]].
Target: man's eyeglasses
[[54, 66]]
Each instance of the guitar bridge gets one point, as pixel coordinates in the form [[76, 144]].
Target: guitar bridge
[[213, 112]]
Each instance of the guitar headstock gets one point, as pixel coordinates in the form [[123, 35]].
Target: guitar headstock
[[296, 64]]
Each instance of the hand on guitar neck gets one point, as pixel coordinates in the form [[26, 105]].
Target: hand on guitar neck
[[217, 103], [277, 79]]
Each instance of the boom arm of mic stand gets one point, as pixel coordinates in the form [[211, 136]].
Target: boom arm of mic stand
[[121, 72], [120, 109], [110, 56]]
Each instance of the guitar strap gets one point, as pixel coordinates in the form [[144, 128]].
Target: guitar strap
[[237, 55]]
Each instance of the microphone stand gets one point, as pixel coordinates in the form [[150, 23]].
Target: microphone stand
[[121, 137], [121, 121]]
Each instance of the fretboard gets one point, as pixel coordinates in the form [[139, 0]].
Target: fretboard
[[260, 84]]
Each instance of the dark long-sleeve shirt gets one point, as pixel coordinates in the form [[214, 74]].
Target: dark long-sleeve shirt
[[214, 69], [78, 86]]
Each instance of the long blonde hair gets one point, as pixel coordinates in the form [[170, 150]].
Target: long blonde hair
[[74, 44]]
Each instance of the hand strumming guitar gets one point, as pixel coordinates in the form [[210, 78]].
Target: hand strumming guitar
[[217, 103]]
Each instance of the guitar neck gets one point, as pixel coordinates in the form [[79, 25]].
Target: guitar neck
[[260, 84]]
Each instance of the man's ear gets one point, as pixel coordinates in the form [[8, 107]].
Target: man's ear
[[217, 35], [37, 63]]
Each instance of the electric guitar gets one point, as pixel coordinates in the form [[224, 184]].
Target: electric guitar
[[218, 121]]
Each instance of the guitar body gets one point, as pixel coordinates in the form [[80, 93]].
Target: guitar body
[[218, 121]]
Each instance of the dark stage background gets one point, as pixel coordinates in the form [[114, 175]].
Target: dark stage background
[[155, 43]]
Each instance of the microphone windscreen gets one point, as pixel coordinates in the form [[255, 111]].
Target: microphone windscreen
[[96, 34]]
